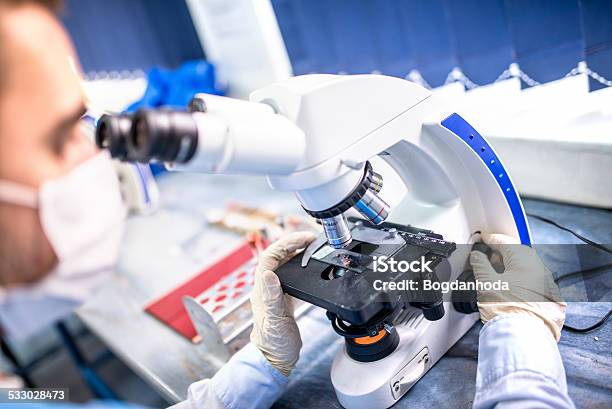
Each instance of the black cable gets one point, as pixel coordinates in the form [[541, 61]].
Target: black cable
[[578, 236], [588, 329], [602, 321], [586, 271], [592, 243]]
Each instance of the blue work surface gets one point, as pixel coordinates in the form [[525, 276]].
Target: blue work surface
[[164, 249]]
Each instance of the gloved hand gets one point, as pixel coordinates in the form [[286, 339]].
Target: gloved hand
[[275, 331], [532, 288]]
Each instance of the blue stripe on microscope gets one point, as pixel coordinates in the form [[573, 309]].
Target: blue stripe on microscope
[[457, 125]]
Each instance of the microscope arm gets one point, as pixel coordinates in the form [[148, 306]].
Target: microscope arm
[[320, 136]]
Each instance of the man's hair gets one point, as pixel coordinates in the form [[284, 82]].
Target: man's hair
[[55, 6]]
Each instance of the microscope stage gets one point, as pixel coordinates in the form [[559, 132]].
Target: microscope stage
[[342, 280]]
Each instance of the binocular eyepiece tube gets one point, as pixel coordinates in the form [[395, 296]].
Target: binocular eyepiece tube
[[149, 136], [163, 136], [112, 133], [233, 137], [221, 135]]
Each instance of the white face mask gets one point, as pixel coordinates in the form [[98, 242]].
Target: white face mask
[[82, 215]]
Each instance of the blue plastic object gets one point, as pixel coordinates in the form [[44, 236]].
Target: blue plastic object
[[175, 88]]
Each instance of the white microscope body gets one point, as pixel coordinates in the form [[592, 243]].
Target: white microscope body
[[313, 135], [455, 185]]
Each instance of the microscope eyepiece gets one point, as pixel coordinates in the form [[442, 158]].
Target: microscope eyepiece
[[149, 135], [112, 133], [163, 135]]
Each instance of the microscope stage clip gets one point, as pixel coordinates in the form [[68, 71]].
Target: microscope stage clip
[[312, 248]]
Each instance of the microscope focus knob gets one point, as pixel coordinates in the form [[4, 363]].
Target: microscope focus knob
[[465, 301], [434, 312]]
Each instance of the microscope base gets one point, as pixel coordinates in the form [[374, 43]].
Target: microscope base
[[379, 384]]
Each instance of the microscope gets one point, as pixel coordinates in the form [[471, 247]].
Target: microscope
[[389, 170]]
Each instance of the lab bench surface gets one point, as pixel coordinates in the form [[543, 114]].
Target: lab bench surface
[[168, 247]]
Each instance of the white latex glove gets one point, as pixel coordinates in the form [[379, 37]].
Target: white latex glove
[[275, 331], [532, 288]]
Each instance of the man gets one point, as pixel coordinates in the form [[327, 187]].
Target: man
[[61, 221]]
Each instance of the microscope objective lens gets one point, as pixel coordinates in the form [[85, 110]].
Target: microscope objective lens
[[373, 207], [337, 231]]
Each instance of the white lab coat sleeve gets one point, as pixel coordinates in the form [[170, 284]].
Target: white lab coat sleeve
[[519, 366], [246, 381]]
